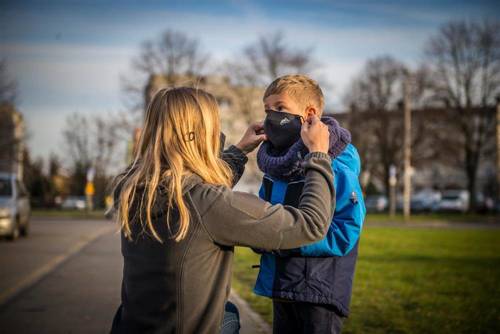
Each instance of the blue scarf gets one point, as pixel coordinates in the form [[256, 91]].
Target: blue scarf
[[287, 165]]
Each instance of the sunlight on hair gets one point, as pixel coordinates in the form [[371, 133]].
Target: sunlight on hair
[[181, 136], [299, 87]]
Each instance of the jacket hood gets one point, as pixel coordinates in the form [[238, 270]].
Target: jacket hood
[[161, 199], [162, 195], [350, 158]]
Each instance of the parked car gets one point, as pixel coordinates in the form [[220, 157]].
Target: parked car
[[426, 200], [376, 203], [15, 207], [74, 203], [454, 200]]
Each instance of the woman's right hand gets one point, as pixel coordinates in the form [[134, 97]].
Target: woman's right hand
[[252, 137], [315, 135]]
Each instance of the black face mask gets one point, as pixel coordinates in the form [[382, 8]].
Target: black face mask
[[282, 129]]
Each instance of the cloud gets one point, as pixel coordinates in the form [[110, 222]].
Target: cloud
[[67, 58], [58, 80], [71, 75]]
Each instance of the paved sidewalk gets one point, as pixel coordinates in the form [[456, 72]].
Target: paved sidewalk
[[251, 322], [66, 278]]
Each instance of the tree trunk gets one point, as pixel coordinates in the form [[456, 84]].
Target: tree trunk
[[387, 184], [471, 166]]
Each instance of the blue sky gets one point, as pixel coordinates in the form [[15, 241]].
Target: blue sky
[[68, 56]]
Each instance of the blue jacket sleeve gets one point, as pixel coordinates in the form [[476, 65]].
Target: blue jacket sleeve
[[347, 220]]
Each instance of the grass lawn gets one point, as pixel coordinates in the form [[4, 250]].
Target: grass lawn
[[413, 281], [434, 217]]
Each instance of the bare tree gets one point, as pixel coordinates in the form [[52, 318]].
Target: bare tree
[[92, 141], [270, 57], [8, 86], [260, 63], [174, 56], [376, 118], [77, 139], [465, 59], [246, 89]]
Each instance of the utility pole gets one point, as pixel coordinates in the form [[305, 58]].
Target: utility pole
[[407, 150], [392, 191]]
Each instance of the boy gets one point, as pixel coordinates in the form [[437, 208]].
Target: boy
[[310, 286]]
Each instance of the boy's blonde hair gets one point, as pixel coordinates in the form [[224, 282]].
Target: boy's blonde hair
[[299, 87]]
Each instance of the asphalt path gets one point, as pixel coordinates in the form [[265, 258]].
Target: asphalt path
[[65, 277]]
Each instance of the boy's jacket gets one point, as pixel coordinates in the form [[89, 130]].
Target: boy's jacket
[[321, 272]]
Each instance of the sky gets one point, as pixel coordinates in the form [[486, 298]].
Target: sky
[[68, 56]]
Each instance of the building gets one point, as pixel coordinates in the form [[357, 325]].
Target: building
[[437, 150], [12, 135]]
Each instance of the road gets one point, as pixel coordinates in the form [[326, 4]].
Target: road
[[65, 278]]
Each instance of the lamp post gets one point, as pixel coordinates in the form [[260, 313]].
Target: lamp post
[[392, 190], [90, 189]]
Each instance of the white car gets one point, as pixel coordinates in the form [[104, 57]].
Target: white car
[[376, 203], [426, 200], [454, 200], [74, 203], [15, 207]]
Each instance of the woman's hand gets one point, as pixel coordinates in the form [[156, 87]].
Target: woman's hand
[[315, 135], [252, 137]]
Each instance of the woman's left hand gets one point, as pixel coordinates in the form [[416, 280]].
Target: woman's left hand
[[252, 137]]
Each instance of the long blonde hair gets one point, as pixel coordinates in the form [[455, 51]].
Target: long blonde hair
[[181, 136]]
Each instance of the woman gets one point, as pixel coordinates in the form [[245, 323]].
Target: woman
[[180, 219]]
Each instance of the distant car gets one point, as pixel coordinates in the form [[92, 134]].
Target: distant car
[[376, 203], [426, 200], [454, 200], [15, 207], [74, 203]]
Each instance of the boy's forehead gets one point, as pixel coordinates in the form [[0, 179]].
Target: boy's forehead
[[276, 98]]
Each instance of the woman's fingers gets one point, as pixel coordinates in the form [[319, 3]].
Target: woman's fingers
[[260, 138], [315, 119], [315, 134], [258, 125], [253, 136]]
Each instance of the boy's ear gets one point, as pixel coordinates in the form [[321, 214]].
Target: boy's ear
[[312, 111]]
